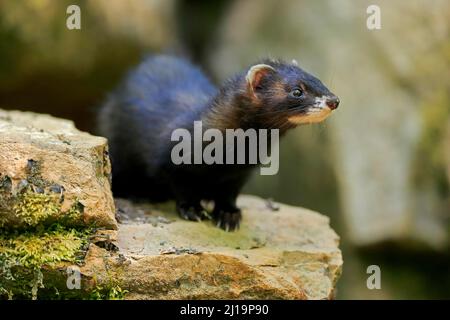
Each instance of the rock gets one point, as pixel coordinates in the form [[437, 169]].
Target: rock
[[291, 253], [50, 171]]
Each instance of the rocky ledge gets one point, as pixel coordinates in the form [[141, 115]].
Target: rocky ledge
[[280, 251], [49, 170]]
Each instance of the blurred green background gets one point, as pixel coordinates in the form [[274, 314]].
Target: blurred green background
[[379, 167]]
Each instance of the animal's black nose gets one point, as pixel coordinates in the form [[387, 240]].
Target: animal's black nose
[[333, 103]]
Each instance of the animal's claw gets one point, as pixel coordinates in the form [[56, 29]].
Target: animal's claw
[[228, 221], [193, 213]]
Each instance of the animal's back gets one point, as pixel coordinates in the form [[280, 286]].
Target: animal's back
[[162, 94]]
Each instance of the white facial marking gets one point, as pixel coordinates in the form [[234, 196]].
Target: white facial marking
[[317, 113], [294, 62], [321, 101]]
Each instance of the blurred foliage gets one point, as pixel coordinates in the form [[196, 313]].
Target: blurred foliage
[[42, 63], [431, 161]]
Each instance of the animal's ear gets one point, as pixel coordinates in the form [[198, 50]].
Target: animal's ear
[[256, 74]]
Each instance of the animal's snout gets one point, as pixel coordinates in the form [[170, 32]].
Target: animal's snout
[[333, 103]]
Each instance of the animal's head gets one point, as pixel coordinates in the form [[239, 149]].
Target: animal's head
[[286, 95]]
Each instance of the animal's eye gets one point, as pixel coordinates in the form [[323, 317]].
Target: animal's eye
[[297, 93]]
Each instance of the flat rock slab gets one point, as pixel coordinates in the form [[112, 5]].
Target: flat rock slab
[[280, 252], [49, 170]]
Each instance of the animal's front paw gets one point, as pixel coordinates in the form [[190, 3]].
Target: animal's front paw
[[228, 220], [192, 212]]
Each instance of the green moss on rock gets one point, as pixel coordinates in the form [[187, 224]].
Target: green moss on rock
[[30, 206], [34, 208], [24, 255], [113, 292], [39, 240], [34, 201], [34, 264]]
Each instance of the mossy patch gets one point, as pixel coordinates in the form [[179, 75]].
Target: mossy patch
[[113, 292], [34, 264], [34, 201], [39, 240], [34, 208], [29, 209], [23, 256]]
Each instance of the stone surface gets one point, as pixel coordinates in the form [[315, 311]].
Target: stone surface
[[49, 171], [291, 253]]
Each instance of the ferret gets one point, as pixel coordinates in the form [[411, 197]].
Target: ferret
[[165, 93]]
